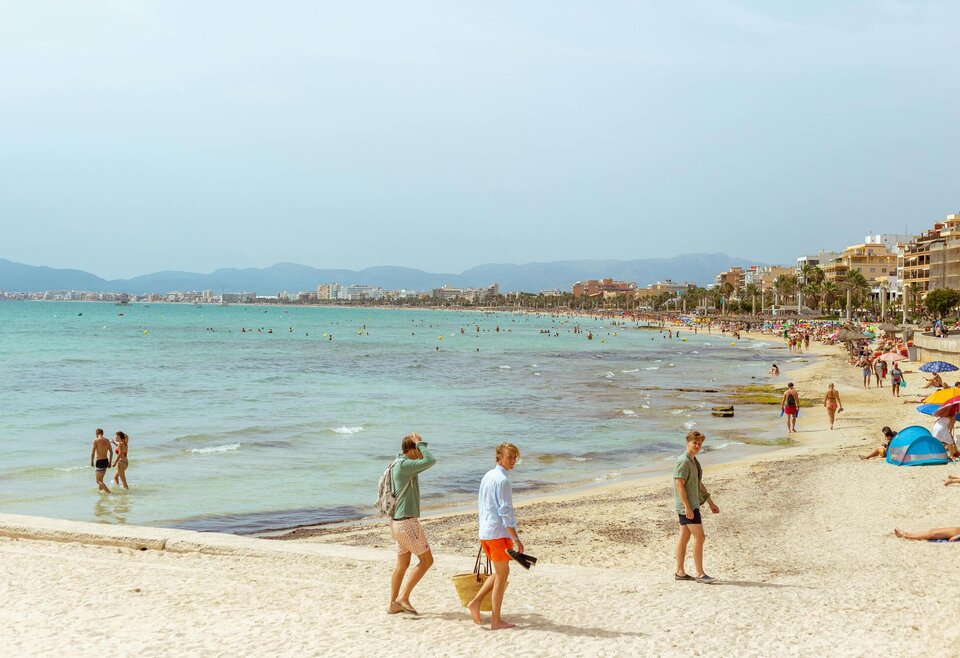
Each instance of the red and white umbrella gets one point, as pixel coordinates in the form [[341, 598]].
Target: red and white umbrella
[[892, 357]]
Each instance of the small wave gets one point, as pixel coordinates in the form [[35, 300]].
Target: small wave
[[346, 430], [607, 476], [67, 469], [689, 424], [629, 412], [677, 412], [224, 448], [580, 459], [725, 444], [653, 368], [644, 406], [609, 375], [629, 371], [504, 367]]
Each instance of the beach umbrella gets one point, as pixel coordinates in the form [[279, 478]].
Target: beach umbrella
[[928, 409], [892, 357], [888, 328], [867, 334], [938, 366], [947, 409], [941, 396]]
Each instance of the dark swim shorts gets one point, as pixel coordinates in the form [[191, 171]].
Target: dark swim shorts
[[103, 465], [694, 521]]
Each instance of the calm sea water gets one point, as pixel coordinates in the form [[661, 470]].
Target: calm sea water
[[246, 431]]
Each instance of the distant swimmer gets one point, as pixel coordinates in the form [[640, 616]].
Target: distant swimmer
[[100, 457]]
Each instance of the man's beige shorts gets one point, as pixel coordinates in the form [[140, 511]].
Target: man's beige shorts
[[410, 536]]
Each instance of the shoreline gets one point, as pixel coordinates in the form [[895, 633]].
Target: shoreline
[[803, 550]]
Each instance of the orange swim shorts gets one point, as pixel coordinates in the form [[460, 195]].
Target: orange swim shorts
[[496, 549]]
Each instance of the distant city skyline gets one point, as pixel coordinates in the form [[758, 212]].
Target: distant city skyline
[[143, 137]]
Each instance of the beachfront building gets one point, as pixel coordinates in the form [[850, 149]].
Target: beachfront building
[[869, 259], [733, 276], [238, 297], [473, 295], [357, 292], [328, 292], [603, 288], [821, 259], [669, 286], [931, 260]]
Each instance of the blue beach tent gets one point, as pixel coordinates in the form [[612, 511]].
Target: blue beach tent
[[915, 446]]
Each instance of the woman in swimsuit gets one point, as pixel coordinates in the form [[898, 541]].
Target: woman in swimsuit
[[832, 402], [122, 461]]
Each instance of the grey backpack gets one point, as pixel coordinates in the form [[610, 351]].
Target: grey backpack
[[386, 498]]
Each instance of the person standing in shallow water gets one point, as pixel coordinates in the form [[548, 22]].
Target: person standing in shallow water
[[100, 457], [405, 526], [122, 460], [688, 496]]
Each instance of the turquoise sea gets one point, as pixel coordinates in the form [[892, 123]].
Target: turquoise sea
[[245, 431]]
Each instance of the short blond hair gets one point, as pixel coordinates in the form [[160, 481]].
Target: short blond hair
[[695, 435], [505, 447]]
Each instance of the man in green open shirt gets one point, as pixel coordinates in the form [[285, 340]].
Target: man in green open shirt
[[415, 458], [688, 495]]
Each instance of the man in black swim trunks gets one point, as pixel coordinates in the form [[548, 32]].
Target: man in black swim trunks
[[102, 452]]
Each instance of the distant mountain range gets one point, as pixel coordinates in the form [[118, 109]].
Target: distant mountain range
[[290, 277]]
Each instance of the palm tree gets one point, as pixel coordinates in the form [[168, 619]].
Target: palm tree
[[829, 291], [856, 286], [751, 290]]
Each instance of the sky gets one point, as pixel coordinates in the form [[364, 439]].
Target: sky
[[144, 136]]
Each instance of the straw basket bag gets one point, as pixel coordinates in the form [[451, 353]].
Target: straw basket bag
[[468, 584]]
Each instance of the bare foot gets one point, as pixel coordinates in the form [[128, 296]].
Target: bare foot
[[501, 625], [406, 607], [898, 533], [394, 609], [474, 608], [861, 456]]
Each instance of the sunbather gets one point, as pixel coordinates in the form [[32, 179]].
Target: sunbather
[[951, 534]]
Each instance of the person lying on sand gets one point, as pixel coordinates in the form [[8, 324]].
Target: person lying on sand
[[950, 534], [882, 450]]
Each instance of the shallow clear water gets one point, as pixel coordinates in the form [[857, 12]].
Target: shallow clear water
[[248, 431]]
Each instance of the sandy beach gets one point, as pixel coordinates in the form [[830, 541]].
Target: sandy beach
[[803, 548]]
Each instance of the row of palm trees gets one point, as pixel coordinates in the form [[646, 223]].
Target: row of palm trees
[[808, 287]]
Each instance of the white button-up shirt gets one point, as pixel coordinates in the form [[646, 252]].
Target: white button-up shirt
[[496, 505]]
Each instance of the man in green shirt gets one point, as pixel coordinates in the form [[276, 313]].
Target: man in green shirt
[[688, 495], [415, 458]]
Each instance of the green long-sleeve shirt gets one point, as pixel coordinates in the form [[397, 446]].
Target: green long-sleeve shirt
[[406, 470]]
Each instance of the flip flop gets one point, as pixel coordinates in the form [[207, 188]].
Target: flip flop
[[685, 576], [407, 608], [519, 558]]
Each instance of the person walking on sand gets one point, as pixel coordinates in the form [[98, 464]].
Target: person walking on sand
[[688, 495], [865, 365], [405, 526], [831, 400], [790, 405], [498, 532], [878, 372], [122, 443], [100, 457], [896, 380]]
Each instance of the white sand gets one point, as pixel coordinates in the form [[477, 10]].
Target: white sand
[[803, 546]]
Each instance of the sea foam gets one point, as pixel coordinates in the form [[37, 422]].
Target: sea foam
[[346, 430], [224, 448]]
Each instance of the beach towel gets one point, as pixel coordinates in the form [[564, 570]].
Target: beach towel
[[943, 541]]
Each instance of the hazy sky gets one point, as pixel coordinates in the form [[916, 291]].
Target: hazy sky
[[143, 136]]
